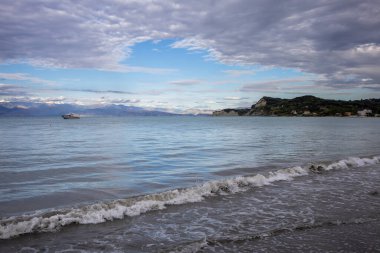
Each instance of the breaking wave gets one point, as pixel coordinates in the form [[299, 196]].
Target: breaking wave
[[118, 209]]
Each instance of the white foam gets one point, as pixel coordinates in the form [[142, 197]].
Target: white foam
[[118, 209], [212, 241], [192, 247], [353, 162]]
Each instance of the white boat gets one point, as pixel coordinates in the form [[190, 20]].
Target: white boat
[[71, 116]]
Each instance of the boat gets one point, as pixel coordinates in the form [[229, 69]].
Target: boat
[[71, 116]]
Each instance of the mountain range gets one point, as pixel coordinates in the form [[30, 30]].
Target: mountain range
[[43, 109]]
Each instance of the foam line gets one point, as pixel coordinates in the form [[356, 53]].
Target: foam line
[[206, 242], [118, 209]]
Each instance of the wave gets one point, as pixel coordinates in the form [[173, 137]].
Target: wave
[[205, 242], [118, 209]]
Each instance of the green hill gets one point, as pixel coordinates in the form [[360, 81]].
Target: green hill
[[306, 106]]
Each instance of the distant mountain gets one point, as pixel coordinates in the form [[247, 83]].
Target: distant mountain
[[306, 106], [122, 110], [42, 109]]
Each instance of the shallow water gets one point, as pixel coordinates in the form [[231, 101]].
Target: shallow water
[[59, 169]]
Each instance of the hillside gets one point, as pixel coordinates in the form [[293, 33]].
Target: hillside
[[306, 106]]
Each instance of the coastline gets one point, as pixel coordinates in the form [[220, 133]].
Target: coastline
[[306, 106]]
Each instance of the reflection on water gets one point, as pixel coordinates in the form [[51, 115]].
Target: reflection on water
[[115, 157], [87, 170]]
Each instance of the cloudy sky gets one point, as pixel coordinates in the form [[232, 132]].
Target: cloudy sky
[[188, 55]]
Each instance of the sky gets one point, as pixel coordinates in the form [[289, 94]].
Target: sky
[[187, 56]]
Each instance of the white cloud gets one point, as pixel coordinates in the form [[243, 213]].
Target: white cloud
[[236, 72], [318, 37], [188, 82], [7, 89], [197, 111], [119, 100], [26, 77], [275, 83], [235, 98], [35, 99]]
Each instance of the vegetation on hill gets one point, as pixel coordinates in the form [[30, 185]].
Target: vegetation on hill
[[306, 106]]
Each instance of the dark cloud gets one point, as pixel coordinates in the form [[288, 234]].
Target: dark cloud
[[338, 40]]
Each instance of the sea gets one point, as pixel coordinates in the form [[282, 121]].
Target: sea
[[189, 184]]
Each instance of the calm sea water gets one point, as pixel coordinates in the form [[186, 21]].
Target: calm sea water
[[146, 184]]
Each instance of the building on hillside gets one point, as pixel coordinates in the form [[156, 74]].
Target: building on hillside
[[306, 113], [364, 113], [347, 114]]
